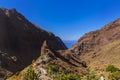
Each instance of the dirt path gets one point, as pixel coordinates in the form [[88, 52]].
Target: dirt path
[[42, 73]]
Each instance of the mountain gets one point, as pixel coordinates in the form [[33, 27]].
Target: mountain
[[52, 65], [21, 42], [44, 56], [95, 39], [86, 60], [100, 48]]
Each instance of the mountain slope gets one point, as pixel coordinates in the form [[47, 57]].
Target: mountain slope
[[95, 39], [96, 49], [108, 54], [52, 65], [21, 41], [100, 48]]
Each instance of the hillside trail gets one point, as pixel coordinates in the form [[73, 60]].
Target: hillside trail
[[41, 72]]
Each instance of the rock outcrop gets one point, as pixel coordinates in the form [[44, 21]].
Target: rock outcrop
[[21, 41]]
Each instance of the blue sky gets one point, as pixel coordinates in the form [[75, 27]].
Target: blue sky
[[68, 19]]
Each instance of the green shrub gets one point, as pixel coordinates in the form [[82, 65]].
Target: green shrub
[[51, 69], [92, 76], [30, 74], [66, 71], [70, 76], [58, 73], [114, 75], [112, 68], [115, 72], [88, 68]]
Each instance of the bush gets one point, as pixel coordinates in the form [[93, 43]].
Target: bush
[[58, 73], [115, 75], [115, 72], [112, 68], [92, 76], [30, 74], [70, 76], [52, 69]]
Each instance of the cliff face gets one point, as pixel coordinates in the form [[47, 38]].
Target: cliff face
[[95, 39], [21, 41]]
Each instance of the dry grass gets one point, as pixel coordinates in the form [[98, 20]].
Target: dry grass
[[106, 55], [19, 76]]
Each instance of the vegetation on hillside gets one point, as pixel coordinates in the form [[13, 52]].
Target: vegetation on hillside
[[30, 74], [114, 72], [57, 72]]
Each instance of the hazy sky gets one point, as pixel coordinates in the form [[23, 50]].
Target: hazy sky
[[68, 19]]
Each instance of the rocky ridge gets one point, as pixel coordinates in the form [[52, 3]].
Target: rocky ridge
[[95, 39], [21, 41]]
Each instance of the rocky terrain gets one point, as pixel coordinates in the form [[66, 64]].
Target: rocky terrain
[[95, 39], [30, 53], [21, 41], [101, 43], [100, 49]]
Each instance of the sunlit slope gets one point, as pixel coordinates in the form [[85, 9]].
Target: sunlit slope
[[102, 57]]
